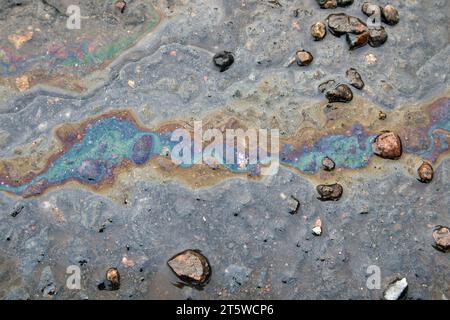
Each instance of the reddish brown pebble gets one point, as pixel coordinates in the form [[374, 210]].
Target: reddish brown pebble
[[190, 266], [387, 145], [441, 237], [304, 58], [356, 41], [425, 172], [382, 115]]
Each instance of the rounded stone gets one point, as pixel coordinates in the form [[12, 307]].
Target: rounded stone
[[387, 145], [356, 41], [441, 236], [190, 266], [390, 15], [303, 57], [318, 31], [425, 172]]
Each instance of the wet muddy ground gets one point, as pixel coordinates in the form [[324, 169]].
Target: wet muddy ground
[[154, 63]]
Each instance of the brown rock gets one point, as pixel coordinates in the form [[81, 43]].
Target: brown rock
[[341, 23], [303, 57], [425, 172], [370, 9], [317, 228], [328, 164], [356, 41], [331, 192], [327, 4], [332, 4], [389, 15], [318, 31], [327, 85], [341, 93], [190, 266], [387, 145], [441, 236]]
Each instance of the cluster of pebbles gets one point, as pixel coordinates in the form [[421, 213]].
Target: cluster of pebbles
[[357, 32]]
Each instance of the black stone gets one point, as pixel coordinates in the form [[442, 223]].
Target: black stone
[[377, 37], [223, 60]]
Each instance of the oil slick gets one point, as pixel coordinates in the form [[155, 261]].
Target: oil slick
[[96, 151]]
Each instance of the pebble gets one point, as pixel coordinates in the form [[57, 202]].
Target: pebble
[[425, 172], [330, 192], [317, 229], [328, 164], [377, 37], [387, 145], [303, 57], [293, 205], [336, 93], [120, 5], [396, 289], [356, 41], [333, 4], [370, 9], [341, 93], [390, 15], [112, 281], [190, 266], [382, 115], [341, 23], [223, 60], [318, 31], [354, 78], [441, 236], [327, 4]]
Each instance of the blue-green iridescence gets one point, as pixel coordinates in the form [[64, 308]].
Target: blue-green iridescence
[[108, 142]]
